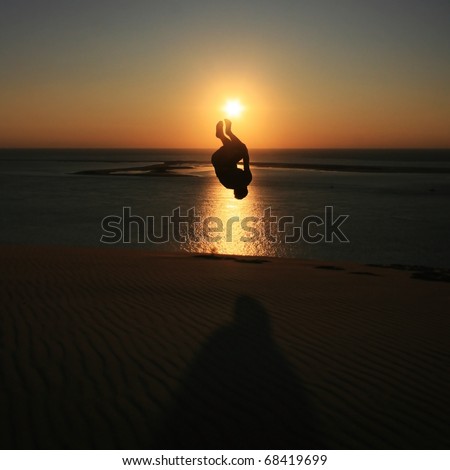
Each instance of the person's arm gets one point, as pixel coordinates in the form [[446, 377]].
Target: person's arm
[[246, 160]]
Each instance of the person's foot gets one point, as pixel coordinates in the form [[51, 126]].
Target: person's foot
[[219, 130], [227, 126]]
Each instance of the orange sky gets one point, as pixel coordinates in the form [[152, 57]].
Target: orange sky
[[140, 78]]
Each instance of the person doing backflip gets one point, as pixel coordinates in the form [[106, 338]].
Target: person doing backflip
[[226, 158]]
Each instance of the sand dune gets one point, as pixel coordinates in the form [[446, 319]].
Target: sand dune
[[108, 348]]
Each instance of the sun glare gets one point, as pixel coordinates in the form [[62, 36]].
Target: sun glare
[[233, 108]]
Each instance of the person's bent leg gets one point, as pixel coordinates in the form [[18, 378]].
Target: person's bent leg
[[220, 135], [230, 134]]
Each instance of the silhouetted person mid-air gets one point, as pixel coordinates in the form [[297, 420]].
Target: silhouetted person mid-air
[[225, 161]]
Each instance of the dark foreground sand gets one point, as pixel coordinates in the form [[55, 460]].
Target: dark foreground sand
[[124, 349]]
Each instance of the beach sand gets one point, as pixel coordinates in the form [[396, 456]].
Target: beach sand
[[110, 348]]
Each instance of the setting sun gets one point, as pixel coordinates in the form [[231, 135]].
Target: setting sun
[[233, 108]]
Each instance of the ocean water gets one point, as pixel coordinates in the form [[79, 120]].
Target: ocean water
[[387, 217]]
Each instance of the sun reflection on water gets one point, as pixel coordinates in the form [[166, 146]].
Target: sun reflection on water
[[232, 226]]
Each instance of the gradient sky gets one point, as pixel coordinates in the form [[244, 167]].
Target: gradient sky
[[311, 73]]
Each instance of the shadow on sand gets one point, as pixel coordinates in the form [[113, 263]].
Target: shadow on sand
[[240, 393]]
